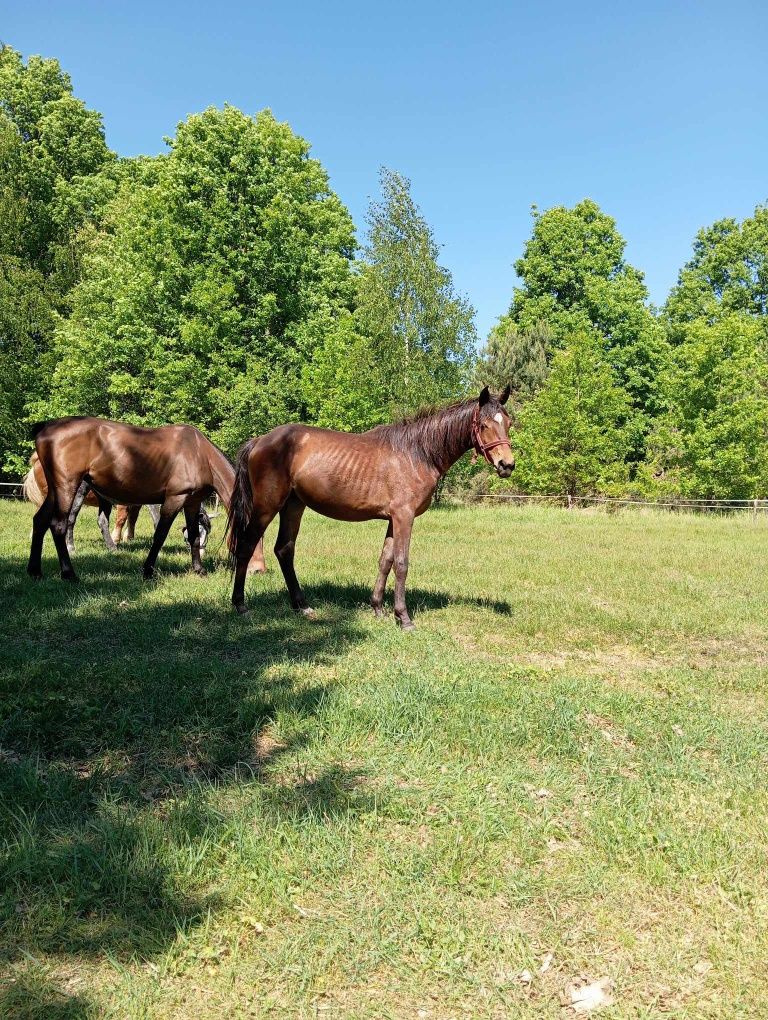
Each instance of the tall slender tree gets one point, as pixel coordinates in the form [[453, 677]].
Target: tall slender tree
[[52, 153], [420, 332]]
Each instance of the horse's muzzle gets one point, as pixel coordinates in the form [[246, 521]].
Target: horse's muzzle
[[504, 468]]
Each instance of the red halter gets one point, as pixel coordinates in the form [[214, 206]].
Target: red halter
[[482, 448]]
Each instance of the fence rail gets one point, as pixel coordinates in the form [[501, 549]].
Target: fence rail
[[11, 490], [753, 506]]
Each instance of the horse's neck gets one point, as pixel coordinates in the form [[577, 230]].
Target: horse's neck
[[458, 442], [223, 474]]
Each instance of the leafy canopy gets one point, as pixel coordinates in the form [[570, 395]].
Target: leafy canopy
[[576, 432], [575, 280], [222, 265]]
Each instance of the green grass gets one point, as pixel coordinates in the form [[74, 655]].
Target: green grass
[[211, 816]]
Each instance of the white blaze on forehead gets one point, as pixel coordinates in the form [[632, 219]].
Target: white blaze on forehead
[[497, 417]]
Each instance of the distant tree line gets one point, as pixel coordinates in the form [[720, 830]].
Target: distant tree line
[[221, 283]]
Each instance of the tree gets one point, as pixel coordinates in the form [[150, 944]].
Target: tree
[[520, 359], [421, 333], [576, 432], [52, 149], [728, 273], [220, 268], [575, 279], [713, 441]]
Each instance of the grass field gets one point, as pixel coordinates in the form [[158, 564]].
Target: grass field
[[560, 773]]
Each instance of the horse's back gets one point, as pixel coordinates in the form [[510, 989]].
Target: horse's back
[[127, 463]]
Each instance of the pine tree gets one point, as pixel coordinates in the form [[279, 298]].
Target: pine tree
[[575, 434]]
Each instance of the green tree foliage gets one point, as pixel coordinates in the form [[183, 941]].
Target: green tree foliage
[[575, 279], [728, 273], [221, 267], [713, 441], [576, 432], [52, 151], [420, 332], [520, 359]]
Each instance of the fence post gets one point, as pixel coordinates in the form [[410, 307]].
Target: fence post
[[570, 501]]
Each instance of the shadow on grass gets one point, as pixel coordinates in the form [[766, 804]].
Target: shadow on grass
[[35, 997], [355, 596], [119, 717]]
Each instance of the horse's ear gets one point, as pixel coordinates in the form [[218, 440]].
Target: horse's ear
[[485, 396], [505, 395]]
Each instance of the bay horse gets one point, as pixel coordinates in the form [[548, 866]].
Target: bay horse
[[174, 466], [388, 473], [35, 489]]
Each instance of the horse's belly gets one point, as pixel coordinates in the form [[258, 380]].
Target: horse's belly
[[112, 489], [339, 508]]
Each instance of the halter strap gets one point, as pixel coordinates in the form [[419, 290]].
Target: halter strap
[[482, 448]]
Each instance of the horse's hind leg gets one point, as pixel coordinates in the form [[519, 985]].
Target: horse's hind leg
[[285, 546], [385, 565], [40, 523], [168, 512], [64, 501], [246, 547], [74, 510], [191, 515], [105, 509]]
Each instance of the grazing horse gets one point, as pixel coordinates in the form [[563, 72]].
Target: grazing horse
[[388, 473], [35, 488], [175, 466]]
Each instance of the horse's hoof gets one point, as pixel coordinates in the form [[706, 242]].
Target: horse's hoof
[[256, 570], [306, 611], [35, 575], [407, 626], [70, 576], [148, 575], [242, 610], [202, 572], [378, 612]]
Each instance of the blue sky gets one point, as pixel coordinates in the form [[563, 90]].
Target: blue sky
[[655, 110]]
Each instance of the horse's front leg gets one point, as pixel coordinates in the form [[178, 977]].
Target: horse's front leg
[[191, 515], [402, 525], [285, 546], [168, 512], [120, 521]]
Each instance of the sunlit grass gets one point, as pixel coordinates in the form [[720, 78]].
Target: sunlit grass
[[212, 816]]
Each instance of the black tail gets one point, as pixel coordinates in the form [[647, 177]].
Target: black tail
[[37, 428], [240, 505]]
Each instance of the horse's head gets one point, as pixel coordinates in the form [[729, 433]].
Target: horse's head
[[204, 524], [490, 431]]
